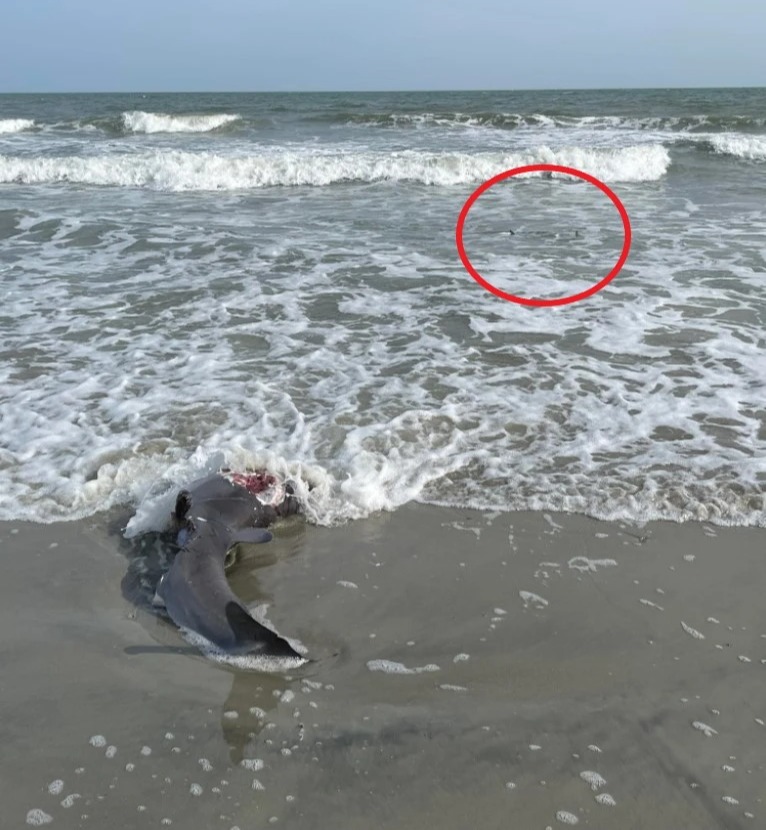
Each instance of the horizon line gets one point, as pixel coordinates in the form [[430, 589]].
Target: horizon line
[[366, 91]]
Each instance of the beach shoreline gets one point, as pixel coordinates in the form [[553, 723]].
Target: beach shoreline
[[468, 667]]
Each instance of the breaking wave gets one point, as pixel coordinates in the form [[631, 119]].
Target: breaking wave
[[15, 125], [179, 171], [739, 146], [511, 120], [138, 121]]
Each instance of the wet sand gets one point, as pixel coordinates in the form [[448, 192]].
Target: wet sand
[[568, 651]]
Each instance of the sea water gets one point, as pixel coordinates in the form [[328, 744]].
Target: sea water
[[192, 280]]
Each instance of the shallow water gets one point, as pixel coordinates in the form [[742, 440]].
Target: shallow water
[[190, 280]]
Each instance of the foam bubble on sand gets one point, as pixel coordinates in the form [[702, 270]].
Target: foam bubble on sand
[[449, 687], [146, 750], [566, 817], [460, 658], [56, 787], [651, 604], [391, 667], [692, 632], [729, 800], [530, 598], [111, 751], [70, 800], [38, 817], [593, 779], [594, 748], [344, 583], [606, 800], [196, 789], [252, 764], [205, 764], [97, 741], [582, 563], [706, 730]]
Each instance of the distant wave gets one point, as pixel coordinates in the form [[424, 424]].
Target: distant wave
[[159, 122], [15, 125], [175, 170], [739, 146], [510, 120]]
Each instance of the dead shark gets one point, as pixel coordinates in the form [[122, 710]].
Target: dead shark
[[213, 515]]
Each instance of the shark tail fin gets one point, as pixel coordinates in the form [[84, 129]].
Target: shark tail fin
[[252, 637]]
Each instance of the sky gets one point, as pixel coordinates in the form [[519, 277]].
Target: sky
[[316, 45]]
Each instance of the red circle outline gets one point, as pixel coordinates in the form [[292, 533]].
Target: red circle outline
[[534, 168]]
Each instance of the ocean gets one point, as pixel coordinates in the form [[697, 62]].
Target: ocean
[[193, 280]]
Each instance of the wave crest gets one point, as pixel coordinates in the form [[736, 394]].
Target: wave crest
[[181, 171], [516, 120], [739, 146], [138, 121], [15, 125]]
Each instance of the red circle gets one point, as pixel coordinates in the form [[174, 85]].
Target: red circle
[[534, 168]]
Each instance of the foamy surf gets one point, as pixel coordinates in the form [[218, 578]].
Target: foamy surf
[[174, 170], [15, 125], [740, 146], [138, 121], [310, 312], [520, 121]]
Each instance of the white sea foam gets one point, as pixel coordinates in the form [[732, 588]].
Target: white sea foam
[[536, 121], [138, 121], [751, 147], [593, 779], [175, 170], [392, 667], [37, 817], [249, 662], [692, 632], [706, 730], [583, 563], [331, 335], [15, 125], [535, 600], [606, 800]]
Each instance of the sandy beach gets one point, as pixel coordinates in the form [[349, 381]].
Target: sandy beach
[[521, 670]]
